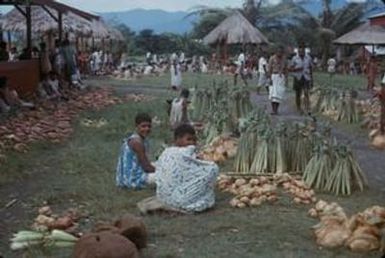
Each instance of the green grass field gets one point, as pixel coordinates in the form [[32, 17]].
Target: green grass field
[[80, 173]]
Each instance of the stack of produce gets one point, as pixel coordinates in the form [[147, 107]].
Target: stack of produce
[[318, 169], [362, 232], [220, 149], [50, 122], [86, 122], [235, 99], [47, 220], [338, 105], [377, 139], [346, 174], [334, 169], [267, 149], [255, 191], [371, 112], [300, 191], [56, 238]]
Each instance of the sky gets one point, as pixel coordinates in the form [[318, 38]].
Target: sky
[[169, 5]]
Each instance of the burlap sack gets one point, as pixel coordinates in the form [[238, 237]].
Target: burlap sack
[[134, 229], [104, 245]]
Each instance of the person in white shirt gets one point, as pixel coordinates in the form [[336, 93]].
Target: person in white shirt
[[262, 73], [302, 70], [240, 68], [176, 73]]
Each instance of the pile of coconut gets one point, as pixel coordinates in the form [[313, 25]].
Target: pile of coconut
[[362, 232], [255, 191], [220, 149]]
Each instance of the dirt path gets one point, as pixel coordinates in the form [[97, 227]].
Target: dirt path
[[371, 160]]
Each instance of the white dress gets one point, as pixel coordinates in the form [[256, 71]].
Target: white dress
[[277, 89], [176, 76]]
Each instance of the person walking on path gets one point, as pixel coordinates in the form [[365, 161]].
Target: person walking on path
[[262, 73], [241, 62], [302, 70], [278, 73]]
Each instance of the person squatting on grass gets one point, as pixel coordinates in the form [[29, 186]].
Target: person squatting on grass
[[183, 183], [133, 165]]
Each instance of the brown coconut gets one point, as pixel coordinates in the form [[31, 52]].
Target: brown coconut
[[378, 142], [134, 229], [104, 245]]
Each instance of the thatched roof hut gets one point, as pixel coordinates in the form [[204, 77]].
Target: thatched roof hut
[[235, 29], [364, 34], [42, 21]]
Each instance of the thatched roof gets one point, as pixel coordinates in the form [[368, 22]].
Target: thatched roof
[[365, 34], [99, 29], [235, 29], [42, 22]]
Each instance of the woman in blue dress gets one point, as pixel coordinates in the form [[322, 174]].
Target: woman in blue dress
[[133, 165]]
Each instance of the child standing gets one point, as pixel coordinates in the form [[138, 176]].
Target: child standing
[[133, 164], [178, 113]]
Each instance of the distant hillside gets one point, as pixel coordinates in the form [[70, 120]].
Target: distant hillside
[[176, 22], [158, 20]]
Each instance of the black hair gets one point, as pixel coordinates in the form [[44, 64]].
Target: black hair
[[182, 130], [142, 117], [3, 81], [3, 45], [185, 93]]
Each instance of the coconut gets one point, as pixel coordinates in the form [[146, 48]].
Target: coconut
[[255, 202], [363, 243], [240, 182], [105, 227], [378, 142], [104, 245], [333, 236], [134, 229], [312, 213]]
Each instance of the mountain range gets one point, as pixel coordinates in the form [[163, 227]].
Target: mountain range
[[179, 22]]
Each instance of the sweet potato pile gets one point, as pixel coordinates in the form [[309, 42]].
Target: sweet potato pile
[[50, 122]]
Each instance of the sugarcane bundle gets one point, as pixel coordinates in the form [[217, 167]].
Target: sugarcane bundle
[[262, 159], [319, 167], [346, 174], [347, 110], [300, 148], [246, 152]]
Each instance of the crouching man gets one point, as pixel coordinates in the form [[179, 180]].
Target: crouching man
[[184, 183]]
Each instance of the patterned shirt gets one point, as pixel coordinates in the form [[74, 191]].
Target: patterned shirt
[[184, 182]]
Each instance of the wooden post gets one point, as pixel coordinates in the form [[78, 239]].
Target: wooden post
[[9, 40], [60, 22], [29, 29]]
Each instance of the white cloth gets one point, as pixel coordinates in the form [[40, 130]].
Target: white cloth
[[176, 76], [277, 89], [240, 64], [184, 182], [304, 64], [332, 65], [262, 65], [176, 113]]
